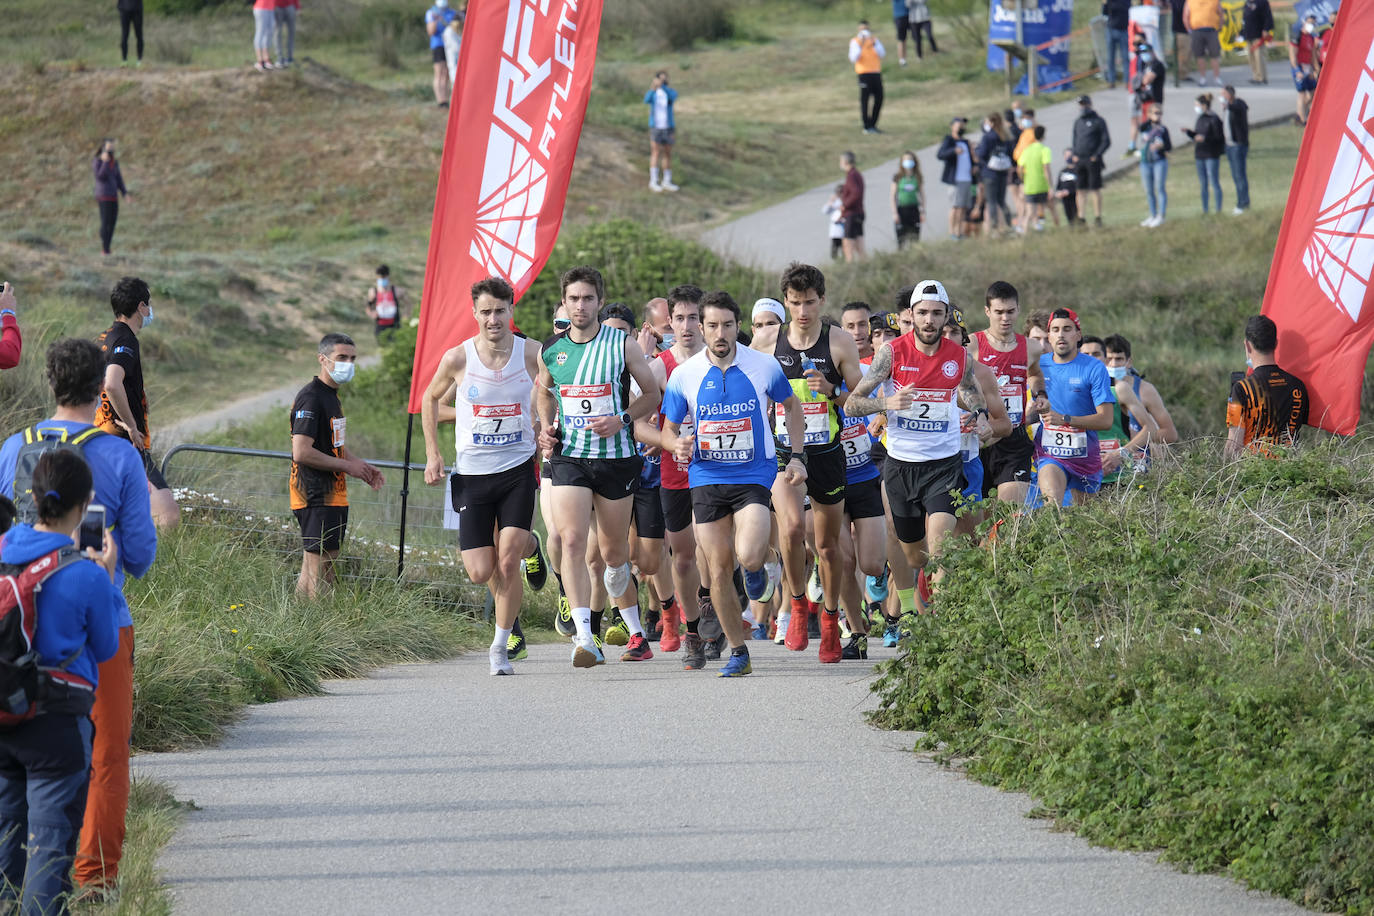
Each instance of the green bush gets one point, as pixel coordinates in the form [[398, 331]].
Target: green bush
[[654, 25], [1183, 666]]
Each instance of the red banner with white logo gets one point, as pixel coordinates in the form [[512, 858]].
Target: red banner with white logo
[[524, 75], [1321, 282]]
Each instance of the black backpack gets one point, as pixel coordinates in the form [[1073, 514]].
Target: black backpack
[[38, 440], [26, 687]]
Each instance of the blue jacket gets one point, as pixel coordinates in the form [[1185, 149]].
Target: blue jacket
[[121, 486], [76, 607], [649, 100]]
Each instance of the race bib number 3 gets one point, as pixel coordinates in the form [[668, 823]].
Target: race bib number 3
[[928, 413], [496, 424], [1064, 441], [817, 417], [1014, 399], [584, 403], [728, 441], [857, 443]]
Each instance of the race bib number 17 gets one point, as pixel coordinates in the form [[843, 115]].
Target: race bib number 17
[[729, 441]]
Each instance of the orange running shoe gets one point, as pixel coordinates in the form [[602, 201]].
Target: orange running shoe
[[830, 637], [796, 627], [670, 640]]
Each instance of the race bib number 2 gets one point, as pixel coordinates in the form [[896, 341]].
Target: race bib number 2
[[928, 413], [584, 403], [496, 424], [728, 441], [1064, 441]]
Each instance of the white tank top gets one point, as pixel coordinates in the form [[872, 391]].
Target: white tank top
[[493, 429]]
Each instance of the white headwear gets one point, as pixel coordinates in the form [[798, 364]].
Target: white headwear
[[771, 306]]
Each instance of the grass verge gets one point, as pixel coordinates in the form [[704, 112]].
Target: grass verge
[[1186, 667]]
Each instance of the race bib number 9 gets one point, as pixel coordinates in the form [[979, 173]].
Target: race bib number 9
[[727, 441], [857, 443], [928, 413], [1064, 441], [1014, 399], [817, 417], [496, 424], [582, 404]]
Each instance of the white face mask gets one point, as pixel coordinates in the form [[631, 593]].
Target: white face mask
[[1026, 123], [1309, 28], [908, 163], [987, 125], [865, 34], [1117, 372], [342, 372], [149, 320], [1198, 109]]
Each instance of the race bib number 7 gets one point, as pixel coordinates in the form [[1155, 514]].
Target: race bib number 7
[[581, 404], [1064, 441], [728, 441], [496, 424]]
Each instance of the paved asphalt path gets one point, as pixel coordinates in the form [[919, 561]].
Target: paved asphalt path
[[796, 229], [438, 789]]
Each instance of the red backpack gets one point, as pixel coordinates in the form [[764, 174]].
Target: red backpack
[[26, 687]]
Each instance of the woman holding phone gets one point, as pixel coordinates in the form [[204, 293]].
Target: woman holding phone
[[45, 761], [109, 185]]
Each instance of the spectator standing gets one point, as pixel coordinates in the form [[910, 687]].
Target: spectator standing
[[321, 465], [1269, 407], [1034, 165], [1182, 59], [918, 11], [1203, 19], [1023, 128], [866, 53], [384, 304], [1238, 149], [285, 21], [130, 14], [1257, 28], [1091, 139], [1148, 86], [264, 28], [1303, 56], [44, 762], [908, 199], [109, 186], [1066, 191], [437, 18], [11, 341], [1154, 164], [662, 131], [1118, 13], [901, 20], [75, 371], [1209, 143], [852, 207], [124, 402], [957, 155], [834, 218], [994, 151], [453, 45]]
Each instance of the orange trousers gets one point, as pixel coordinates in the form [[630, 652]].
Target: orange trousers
[[102, 832]]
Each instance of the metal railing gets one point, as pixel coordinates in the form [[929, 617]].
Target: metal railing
[[397, 532]]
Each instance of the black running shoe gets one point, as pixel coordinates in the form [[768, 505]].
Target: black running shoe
[[813, 626], [536, 568], [857, 647], [693, 652], [715, 647]]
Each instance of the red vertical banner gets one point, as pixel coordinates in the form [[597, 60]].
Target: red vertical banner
[[1321, 281], [521, 92]]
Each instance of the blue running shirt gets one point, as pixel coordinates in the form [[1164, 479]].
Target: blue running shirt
[[1075, 389], [734, 440]]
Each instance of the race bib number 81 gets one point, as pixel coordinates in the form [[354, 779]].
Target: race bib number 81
[[1064, 441], [581, 404]]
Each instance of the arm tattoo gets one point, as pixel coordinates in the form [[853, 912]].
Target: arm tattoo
[[859, 404], [970, 392]]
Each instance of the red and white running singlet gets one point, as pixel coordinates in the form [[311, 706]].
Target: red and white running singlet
[[1010, 368], [928, 429]]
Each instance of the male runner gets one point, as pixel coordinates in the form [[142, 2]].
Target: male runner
[[1015, 360], [969, 444], [1120, 366], [854, 319], [923, 473], [585, 413], [1076, 404], [725, 390], [495, 476], [822, 363], [1125, 445]]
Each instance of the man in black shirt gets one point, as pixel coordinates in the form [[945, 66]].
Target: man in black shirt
[[321, 464], [1268, 407], [1238, 147], [123, 408], [1090, 142], [1148, 86]]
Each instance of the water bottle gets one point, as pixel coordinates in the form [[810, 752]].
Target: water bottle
[[808, 364]]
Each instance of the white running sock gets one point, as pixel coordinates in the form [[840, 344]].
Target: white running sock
[[582, 619], [667, 176], [631, 615], [500, 639], [653, 176]]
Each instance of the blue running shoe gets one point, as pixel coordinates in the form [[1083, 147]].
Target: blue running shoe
[[755, 584], [587, 654], [891, 635], [761, 631], [737, 666], [877, 585]]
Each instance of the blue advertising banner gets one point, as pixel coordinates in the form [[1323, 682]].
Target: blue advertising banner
[[1322, 9], [1043, 20]]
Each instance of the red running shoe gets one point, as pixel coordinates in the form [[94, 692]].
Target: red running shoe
[[830, 637], [670, 640], [797, 639], [637, 650], [923, 591]]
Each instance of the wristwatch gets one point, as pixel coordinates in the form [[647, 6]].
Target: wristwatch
[[625, 418], [10, 312]]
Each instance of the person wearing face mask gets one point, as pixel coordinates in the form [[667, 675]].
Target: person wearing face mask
[[1238, 122], [123, 402], [1268, 407], [1154, 165], [959, 172], [908, 199], [866, 53], [1303, 51], [1257, 28], [994, 151], [384, 305], [321, 464], [437, 18], [1124, 445], [1148, 89], [1209, 143]]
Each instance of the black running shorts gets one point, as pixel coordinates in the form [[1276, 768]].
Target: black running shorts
[[918, 489], [648, 513], [322, 527], [609, 478], [677, 508], [864, 500], [824, 474], [1007, 461], [486, 503], [714, 501]]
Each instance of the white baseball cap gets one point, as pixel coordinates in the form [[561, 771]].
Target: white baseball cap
[[771, 306], [929, 291]]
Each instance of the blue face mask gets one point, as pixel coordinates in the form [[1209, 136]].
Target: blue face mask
[[342, 372], [668, 340], [1026, 123], [1117, 372], [383, 282]]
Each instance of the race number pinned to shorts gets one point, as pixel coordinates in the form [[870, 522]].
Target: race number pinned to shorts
[[856, 442], [817, 417], [728, 441], [496, 424], [929, 411], [1014, 399], [581, 404], [337, 427], [1064, 441]]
